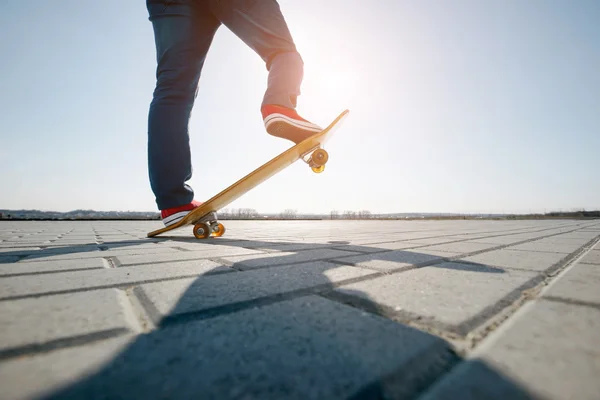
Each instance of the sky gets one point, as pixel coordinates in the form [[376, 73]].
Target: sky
[[469, 106]]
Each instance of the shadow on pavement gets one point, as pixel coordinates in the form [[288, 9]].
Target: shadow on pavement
[[246, 341], [369, 253]]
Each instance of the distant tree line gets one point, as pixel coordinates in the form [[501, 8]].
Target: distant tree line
[[238, 213], [362, 214], [558, 214]]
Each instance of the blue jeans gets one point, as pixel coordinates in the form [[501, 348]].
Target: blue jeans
[[183, 32]]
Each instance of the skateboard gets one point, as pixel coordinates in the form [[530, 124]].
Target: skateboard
[[204, 217]]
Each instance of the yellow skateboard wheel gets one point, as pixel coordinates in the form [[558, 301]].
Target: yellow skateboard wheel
[[318, 169], [319, 157], [201, 230], [219, 230]]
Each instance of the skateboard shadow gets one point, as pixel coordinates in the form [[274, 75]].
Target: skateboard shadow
[[231, 337]]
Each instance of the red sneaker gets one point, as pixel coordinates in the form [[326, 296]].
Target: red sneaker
[[285, 123], [173, 215]]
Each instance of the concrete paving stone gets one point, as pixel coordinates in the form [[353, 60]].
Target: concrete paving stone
[[130, 245], [505, 240], [176, 255], [51, 266], [426, 241], [391, 260], [27, 243], [550, 350], [374, 247], [506, 258], [78, 235], [203, 245], [196, 294], [273, 259], [134, 251], [363, 241], [78, 253], [307, 348], [32, 238], [4, 238], [31, 285], [464, 237], [120, 239], [440, 253], [287, 247], [307, 240], [568, 241], [466, 289], [81, 235], [63, 316], [6, 246], [583, 235], [64, 253], [543, 246], [567, 238], [581, 282], [69, 242], [460, 247], [33, 377], [593, 257]]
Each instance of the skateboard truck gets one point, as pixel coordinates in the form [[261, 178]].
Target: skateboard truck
[[203, 230], [208, 226]]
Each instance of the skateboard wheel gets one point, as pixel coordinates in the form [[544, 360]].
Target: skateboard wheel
[[318, 169], [319, 157], [201, 230], [218, 230]]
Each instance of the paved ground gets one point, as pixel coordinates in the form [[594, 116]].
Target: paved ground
[[301, 310]]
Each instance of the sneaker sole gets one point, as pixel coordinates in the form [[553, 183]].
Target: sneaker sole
[[175, 218], [276, 117]]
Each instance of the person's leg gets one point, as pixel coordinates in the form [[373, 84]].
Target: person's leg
[[183, 32], [261, 25]]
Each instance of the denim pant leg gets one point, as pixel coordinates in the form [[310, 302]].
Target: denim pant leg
[[183, 32], [261, 25]]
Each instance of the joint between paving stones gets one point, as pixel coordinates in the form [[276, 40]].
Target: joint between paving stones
[[142, 312], [72, 341], [573, 302], [110, 262], [179, 248]]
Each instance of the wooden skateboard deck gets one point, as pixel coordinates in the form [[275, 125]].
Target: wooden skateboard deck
[[310, 150]]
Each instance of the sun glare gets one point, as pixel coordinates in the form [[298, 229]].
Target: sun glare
[[332, 84]]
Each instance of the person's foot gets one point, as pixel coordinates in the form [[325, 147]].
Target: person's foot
[[173, 215], [285, 123]]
